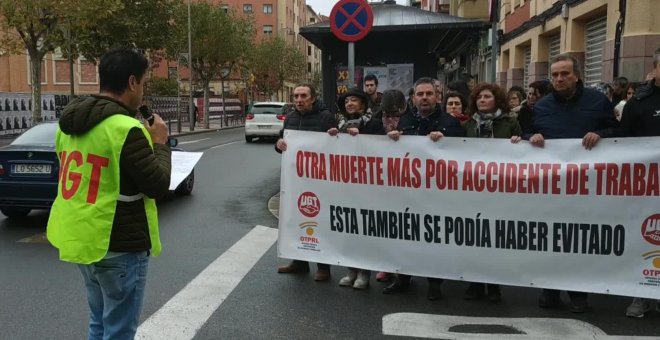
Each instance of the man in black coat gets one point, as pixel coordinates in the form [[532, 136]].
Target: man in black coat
[[571, 111], [308, 116], [429, 120], [641, 118]]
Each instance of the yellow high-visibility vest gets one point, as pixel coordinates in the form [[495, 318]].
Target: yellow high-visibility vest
[[82, 215]]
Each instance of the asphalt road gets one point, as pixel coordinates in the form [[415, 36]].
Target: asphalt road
[[43, 298]]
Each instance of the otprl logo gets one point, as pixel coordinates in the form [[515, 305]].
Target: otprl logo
[[309, 241], [651, 229], [654, 256], [309, 205]]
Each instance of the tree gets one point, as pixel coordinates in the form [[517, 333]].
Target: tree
[[273, 62], [36, 26], [156, 86], [219, 40], [144, 24]]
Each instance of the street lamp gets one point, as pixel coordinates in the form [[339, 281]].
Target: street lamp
[[67, 33], [191, 110]]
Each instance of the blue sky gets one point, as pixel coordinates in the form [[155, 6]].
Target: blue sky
[[325, 6]]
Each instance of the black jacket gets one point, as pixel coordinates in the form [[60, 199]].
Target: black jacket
[[142, 169], [319, 120], [588, 111], [641, 115], [414, 124]]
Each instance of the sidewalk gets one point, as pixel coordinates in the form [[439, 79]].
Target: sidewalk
[[214, 125]]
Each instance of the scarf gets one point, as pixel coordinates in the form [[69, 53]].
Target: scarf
[[485, 123]]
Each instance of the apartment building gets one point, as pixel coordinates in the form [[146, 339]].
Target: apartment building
[[56, 74], [313, 53], [535, 31]]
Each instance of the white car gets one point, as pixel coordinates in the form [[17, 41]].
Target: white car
[[265, 120]]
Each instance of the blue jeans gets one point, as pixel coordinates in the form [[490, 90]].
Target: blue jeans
[[115, 290]]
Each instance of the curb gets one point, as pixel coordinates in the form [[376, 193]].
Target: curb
[[198, 131]]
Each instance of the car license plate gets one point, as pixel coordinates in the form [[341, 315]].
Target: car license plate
[[264, 127], [31, 169]]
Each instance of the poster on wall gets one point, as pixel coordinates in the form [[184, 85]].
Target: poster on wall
[[400, 76], [381, 74], [16, 111], [343, 84]]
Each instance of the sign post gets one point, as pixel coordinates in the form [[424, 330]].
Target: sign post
[[351, 21]]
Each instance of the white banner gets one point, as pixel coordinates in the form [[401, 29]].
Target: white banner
[[481, 210]]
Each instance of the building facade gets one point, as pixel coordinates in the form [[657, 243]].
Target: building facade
[[312, 52], [55, 74], [533, 32]]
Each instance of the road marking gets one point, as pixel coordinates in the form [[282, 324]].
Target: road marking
[[445, 326], [192, 141], [221, 145], [274, 205], [185, 313], [38, 238]]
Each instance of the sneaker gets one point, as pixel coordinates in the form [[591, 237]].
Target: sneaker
[[638, 308], [348, 280], [383, 277], [362, 281]]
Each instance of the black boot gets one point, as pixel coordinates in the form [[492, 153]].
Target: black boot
[[474, 291], [401, 283], [494, 294], [435, 289]]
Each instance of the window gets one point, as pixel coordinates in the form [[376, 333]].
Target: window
[[247, 8], [268, 29], [268, 8], [225, 8], [309, 50], [309, 67], [172, 73]]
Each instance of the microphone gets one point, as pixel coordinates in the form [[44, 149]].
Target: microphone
[[146, 114]]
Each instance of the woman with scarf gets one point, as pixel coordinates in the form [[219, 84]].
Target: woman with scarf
[[456, 105], [490, 119], [353, 119]]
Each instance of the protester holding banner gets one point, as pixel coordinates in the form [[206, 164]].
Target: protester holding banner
[[393, 106], [308, 116], [571, 111], [490, 119], [354, 120], [429, 121], [641, 119]]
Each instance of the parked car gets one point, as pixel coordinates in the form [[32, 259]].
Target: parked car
[[265, 119], [29, 171]]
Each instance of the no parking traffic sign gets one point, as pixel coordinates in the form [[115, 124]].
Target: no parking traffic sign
[[351, 20]]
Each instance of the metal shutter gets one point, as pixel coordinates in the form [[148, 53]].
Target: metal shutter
[[528, 60], [555, 48], [596, 31]]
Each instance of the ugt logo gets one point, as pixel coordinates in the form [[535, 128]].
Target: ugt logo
[[308, 204], [651, 229]]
